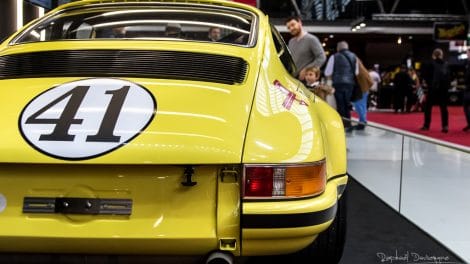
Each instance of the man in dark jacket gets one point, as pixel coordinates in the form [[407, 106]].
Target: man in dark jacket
[[342, 68], [436, 76], [403, 89], [466, 93]]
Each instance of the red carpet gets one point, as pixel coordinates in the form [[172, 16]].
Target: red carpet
[[413, 121]]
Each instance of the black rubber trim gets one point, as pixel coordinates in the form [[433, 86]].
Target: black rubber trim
[[288, 220], [341, 189], [337, 176]]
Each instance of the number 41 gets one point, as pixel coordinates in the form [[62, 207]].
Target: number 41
[[67, 117]]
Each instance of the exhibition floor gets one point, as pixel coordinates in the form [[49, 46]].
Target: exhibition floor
[[376, 232], [421, 179], [412, 122]]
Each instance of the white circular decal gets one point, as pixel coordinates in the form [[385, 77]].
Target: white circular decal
[[3, 202], [86, 118]]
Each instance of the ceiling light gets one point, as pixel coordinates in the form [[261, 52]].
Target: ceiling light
[[41, 11], [19, 14]]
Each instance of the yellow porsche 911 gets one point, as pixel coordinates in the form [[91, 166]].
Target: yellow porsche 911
[[165, 128]]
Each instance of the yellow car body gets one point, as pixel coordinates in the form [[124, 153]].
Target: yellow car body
[[177, 180]]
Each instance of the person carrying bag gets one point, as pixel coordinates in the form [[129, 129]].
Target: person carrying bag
[[341, 70], [363, 80], [361, 91]]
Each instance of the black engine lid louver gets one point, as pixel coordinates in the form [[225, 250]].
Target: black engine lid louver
[[125, 63]]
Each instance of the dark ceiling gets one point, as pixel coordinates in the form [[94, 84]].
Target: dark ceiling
[[366, 8], [350, 10]]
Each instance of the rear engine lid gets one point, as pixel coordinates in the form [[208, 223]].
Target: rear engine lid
[[123, 120]]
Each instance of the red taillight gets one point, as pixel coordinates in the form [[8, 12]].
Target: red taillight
[[284, 181], [259, 181]]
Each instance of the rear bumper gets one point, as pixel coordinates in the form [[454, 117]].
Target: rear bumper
[[270, 228], [166, 217]]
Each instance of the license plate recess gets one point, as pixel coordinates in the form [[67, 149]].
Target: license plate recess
[[76, 205]]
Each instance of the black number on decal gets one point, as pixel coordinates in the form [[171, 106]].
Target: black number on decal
[[66, 119], [105, 133]]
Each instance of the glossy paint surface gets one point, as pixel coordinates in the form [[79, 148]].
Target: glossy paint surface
[[269, 118]]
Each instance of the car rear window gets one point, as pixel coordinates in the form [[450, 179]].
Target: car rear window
[[120, 22]]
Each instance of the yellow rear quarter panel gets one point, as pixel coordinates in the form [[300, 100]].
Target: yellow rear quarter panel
[[165, 214]]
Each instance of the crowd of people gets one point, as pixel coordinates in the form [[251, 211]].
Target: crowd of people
[[403, 89]]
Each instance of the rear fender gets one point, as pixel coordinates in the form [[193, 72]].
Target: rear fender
[[334, 140]]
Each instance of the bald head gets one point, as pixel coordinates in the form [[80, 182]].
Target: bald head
[[342, 45], [438, 54]]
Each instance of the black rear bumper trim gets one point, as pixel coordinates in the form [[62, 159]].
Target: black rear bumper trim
[[288, 220]]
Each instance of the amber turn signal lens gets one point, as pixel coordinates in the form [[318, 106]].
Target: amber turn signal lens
[[305, 180]]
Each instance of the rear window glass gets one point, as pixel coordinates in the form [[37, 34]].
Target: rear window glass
[[186, 23]]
